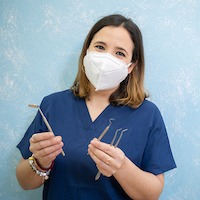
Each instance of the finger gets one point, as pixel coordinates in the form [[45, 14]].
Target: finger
[[34, 147], [49, 150], [103, 166], [107, 148], [50, 156], [105, 172], [49, 142], [100, 158], [48, 159], [104, 151], [41, 136]]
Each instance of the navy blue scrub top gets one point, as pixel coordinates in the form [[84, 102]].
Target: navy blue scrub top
[[145, 143]]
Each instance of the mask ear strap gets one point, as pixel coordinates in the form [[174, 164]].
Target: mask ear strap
[[129, 64]]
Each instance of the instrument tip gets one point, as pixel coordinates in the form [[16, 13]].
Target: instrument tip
[[33, 105]]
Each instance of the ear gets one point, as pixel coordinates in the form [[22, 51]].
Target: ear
[[131, 67]]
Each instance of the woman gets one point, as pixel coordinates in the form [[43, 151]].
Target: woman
[[108, 92]]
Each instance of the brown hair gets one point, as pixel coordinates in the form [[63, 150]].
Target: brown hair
[[131, 90]]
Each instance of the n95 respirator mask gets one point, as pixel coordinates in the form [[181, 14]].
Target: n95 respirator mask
[[103, 70]]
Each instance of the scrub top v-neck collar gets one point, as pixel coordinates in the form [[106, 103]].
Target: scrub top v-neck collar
[[103, 118]]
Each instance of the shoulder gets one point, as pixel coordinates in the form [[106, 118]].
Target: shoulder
[[148, 106], [149, 110], [61, 97]]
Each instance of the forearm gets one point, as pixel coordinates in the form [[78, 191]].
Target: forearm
[[138, 184], [26, 177]]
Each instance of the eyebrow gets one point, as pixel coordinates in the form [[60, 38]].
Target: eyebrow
[[122, 49], [119, 48], [100, 42]]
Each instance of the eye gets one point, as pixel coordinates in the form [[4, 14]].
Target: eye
[[120, 53], [99, 47]]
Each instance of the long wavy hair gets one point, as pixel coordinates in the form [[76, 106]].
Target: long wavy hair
[[131, 91]]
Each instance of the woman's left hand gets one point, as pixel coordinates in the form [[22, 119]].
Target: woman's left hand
[[109, 159]]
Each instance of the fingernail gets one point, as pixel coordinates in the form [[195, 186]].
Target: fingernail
[[58, 139], [61, 144]]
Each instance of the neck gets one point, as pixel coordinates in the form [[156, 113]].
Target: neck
[[98, 101], [100, 96]]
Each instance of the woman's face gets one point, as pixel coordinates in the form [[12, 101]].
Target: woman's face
[[113, 40]]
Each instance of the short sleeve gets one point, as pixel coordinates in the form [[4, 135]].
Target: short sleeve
[[36, 126], [158, 156]]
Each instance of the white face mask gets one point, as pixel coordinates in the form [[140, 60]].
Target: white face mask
[[104, 71]]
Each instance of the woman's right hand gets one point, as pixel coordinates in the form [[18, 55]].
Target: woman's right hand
[[45, 147]]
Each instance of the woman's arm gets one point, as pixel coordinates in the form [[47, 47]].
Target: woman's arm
[[45, 148], [138, 184], [26, 177]]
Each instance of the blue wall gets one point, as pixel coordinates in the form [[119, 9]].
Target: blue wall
[[40, 42]]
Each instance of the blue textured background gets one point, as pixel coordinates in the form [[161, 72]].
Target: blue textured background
[[40, 42]]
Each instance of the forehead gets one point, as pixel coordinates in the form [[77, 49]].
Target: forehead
[[115, 37]]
